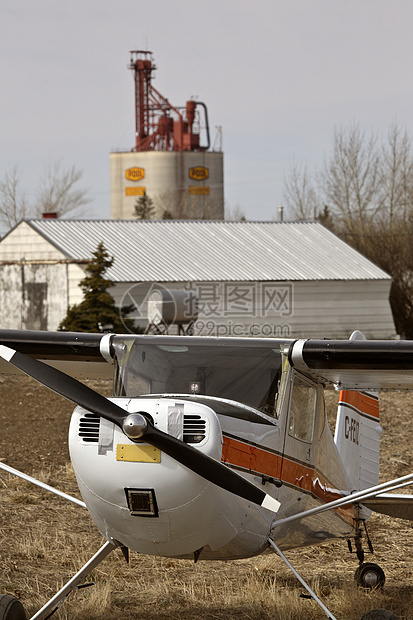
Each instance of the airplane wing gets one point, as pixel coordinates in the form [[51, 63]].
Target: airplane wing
[[81, 355], [355, 364], [339, 364], [392, 504]]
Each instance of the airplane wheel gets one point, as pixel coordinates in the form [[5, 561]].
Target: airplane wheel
[[379, 614], [369, 576], [11, 608]]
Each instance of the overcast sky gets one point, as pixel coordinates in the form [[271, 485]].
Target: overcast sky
[[277, 75]]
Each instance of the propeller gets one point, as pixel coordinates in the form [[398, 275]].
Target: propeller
[[138, 426]]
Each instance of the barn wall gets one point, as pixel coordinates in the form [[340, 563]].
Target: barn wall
[[33, 296], [10, 296], [36, 296], [75, 273], [335, 309], [25, 243], [332, 309]]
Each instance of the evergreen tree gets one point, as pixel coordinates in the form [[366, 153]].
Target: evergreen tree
[[167, 215], [97, 311], [144, 209]]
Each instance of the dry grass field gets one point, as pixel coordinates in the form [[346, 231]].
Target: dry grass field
[[44, 540]]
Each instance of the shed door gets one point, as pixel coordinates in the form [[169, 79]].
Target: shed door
[[35, 305]]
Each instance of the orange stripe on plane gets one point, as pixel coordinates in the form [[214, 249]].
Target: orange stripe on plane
[[251, 458], [361, 401], [258, 460]]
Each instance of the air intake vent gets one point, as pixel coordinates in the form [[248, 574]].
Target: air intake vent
[[194, 428], [89, 428]]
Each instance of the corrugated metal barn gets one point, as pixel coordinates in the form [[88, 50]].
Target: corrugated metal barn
[[263, 279]]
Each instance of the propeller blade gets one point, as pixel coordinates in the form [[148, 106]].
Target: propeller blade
[[137, 426], [64, 385]]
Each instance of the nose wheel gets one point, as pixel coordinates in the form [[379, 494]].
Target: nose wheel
[[11, 608], [369, 576]]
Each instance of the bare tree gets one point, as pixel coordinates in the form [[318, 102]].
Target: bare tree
[[58, 191], [201, 208], [396, 175], [13, 205], [300, 196], [366, 197], [235, 214], [350, 180], [182, 205]]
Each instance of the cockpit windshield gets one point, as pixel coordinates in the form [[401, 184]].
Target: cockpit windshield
[[247, 374]]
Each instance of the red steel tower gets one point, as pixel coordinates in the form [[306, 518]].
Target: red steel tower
[[159, 125]]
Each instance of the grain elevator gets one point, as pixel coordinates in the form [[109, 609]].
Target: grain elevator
[[171, 161]]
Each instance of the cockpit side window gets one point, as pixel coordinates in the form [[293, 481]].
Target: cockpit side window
[[303, 404]]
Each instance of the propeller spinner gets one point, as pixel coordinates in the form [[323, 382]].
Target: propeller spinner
[[138, 426]]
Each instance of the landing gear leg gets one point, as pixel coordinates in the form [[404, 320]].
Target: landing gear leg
[[47, 610], [368, 575], [359, 546], [301, 580]]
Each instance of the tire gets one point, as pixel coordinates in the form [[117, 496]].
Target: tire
[[11, 608], [369, 576], [379, 614]]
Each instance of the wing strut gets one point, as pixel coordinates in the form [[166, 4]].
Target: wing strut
[[353, 498], [301, 580], [43, 485]]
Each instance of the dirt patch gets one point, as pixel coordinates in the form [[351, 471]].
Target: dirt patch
[[34, 423]]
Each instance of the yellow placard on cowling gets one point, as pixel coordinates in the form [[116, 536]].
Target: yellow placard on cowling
[[142, 453]]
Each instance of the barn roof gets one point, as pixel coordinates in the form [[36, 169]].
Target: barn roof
[[176, 250]]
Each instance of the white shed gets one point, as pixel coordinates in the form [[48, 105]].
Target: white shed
[[263, 279]]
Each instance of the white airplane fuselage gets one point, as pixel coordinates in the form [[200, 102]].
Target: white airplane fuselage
[[150, 503]]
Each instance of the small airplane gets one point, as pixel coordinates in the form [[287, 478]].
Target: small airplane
[[219, 448]]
